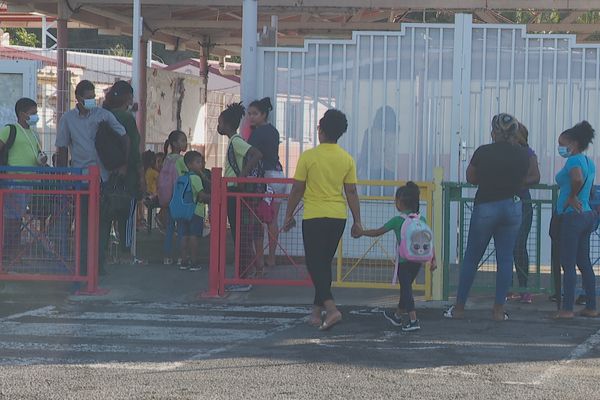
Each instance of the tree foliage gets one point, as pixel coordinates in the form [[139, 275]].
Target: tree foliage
[[21, 37]]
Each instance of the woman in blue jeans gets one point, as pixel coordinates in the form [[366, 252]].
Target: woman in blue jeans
[[521, 255], [499, 170], [577, 219]]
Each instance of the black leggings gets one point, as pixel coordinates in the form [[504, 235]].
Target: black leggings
[[321, 237], [407, 273]]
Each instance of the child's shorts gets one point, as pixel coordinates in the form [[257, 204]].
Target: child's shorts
[[195, 227]]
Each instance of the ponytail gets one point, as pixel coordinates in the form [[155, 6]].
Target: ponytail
[[582, 133], [263, 105]]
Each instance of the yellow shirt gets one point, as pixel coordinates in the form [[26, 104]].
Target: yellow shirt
[[152, 180], [325, 169], [240, 148]]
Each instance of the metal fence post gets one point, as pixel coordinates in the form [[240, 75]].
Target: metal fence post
[[216, 208], [93, 236], [446, 246], [437, 289]]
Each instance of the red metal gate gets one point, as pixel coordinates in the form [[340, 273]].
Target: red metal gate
[[50, 221]]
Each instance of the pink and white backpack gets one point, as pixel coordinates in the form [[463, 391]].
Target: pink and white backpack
[[416, 242], [166, 180]]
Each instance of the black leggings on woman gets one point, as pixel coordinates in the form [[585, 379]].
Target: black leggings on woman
[[321, 237]]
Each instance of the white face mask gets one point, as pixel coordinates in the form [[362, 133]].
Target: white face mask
[[564, 151], [89, 104], [33, 120]]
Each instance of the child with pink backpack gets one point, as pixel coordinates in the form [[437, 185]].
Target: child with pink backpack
[[415, 248], [173, 167]]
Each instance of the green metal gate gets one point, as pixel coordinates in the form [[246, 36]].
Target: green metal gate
[[458, 206]]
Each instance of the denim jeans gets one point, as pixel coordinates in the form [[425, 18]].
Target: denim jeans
[[521, 254], [575, 232], [170, 236], [500, 220]]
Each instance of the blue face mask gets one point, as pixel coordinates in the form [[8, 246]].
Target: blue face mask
[[33, 119], [89, 104], [564, 151]]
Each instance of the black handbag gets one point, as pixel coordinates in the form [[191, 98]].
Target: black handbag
[[115, 198]]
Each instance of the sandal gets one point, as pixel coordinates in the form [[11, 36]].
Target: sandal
[[328, 324], [586, 312], [449, 313], [562, 316]]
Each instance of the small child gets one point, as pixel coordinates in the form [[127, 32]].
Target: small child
[[191, 231], [173, 166], [407, 202]]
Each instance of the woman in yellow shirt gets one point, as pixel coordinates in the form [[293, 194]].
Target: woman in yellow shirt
[[322, 176]]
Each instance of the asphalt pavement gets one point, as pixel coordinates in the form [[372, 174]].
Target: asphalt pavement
[[165, 343]]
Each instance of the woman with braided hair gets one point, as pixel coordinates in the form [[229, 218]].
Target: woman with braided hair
[[499, 170]]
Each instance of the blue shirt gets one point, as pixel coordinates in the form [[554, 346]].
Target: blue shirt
[[588, 170], [78, 132]]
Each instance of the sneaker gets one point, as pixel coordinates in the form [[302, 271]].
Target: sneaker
[[167, 261], [195, 268], [581, 300], [527, 298], [393, 318], [184, 265], [449, 312], [411, 326], [513, 296], [238, 288]]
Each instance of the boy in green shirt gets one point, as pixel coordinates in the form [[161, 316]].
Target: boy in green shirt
[[191, 231], [24, 151]]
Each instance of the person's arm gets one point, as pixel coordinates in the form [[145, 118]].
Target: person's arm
[[533, 173], [203, 197], [375, 232], [472, 174], [296, 194], [254, 156], [472, 168], [114, 123], [354, 204], [577, 181], [350, 181]]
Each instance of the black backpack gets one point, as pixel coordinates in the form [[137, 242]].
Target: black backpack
[[110, 148], [257, 172], [9, 143]]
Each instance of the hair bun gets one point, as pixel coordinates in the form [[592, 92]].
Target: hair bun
[[266, 101], [413, 186]]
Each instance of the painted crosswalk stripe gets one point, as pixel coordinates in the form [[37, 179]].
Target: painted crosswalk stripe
[[124, 332]]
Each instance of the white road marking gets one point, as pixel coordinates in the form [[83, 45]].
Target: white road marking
[[142, 317], [578, 353], [38, 312], [171, 332], [443, 370]]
